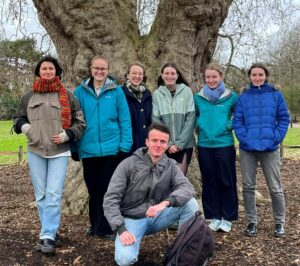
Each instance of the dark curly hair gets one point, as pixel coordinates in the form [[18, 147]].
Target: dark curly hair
[[48, 58]]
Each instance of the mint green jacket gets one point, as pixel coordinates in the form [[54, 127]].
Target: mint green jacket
[[214, 120], [177, 113]]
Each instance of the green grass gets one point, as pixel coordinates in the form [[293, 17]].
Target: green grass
[[9, 143], [292, 137]]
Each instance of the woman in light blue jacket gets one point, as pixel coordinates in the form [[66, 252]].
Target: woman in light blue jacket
[[107, 137]]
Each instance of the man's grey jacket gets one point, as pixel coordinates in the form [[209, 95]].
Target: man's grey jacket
[[138, 184]]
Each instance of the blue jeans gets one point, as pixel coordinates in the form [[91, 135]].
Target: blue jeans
[[48, 176], [127, 255]]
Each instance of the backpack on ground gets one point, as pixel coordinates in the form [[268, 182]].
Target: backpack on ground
[[193, 245]]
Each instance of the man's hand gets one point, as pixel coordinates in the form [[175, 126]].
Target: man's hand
[[153, 210], [127, 238]]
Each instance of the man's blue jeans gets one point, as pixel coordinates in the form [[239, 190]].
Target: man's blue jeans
[[48, 176], [127, 255]]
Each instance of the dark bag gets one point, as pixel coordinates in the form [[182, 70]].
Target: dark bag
[[193, 245]]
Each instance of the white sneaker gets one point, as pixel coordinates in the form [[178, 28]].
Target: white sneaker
[[214, 224], [225, 226]]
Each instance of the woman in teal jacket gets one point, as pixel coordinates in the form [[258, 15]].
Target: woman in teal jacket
[[173, 105], [107, 137], [216, 152]]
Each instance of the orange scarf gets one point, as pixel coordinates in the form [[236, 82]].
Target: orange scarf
[[42, 85]]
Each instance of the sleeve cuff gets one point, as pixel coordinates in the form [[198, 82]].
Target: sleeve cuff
[[70, 133], [172, 201], [121, 229]]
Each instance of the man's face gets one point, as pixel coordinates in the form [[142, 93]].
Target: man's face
[[157, 143]]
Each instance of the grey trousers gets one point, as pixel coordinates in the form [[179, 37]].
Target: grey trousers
[[270, 163]]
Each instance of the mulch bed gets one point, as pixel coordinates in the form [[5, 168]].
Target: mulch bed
[[19, 227]]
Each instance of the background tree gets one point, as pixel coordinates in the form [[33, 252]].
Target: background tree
[[17, 59], [284, 60], [250, 29]]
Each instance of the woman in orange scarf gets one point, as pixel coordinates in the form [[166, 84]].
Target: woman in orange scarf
[[50, 117]]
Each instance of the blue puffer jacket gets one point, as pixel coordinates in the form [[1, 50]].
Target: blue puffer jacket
[[108, 124], [261, 118], [140, 116]]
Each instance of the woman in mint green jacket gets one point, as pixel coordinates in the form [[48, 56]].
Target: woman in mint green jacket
[[173, 106], [216, 152]]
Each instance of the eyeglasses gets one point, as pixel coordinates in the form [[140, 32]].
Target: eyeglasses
[[102, 69]]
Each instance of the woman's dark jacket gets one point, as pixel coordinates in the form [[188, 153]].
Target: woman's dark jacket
[[140, 116]]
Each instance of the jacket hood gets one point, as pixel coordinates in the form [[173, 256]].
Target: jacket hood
[[165, 90], [266, 87], [142, 154], [109, 83]]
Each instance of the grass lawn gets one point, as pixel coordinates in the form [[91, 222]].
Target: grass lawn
[[9, 144], [293, 137]]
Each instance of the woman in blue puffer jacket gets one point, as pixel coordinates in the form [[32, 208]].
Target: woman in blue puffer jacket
[[260, 123]]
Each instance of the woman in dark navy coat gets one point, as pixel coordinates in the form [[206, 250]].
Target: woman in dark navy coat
[[139, 101]]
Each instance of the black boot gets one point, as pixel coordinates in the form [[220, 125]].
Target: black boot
[[251, 230], [279, 230]]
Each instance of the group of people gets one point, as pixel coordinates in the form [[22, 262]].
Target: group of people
[[136, 146]]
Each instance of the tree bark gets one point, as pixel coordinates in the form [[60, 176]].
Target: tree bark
[[184, 32]]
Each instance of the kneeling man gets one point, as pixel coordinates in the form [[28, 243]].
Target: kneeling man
[[147, 193]]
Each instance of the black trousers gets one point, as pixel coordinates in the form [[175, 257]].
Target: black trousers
[[97, 172], [219, 193]]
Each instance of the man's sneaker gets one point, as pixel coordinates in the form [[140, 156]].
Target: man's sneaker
[[174, 226], [224, 226], [279, 230], [251, 230], [214, 224], [48, 247]]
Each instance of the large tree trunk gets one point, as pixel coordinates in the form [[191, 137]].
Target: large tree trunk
[[184, 32]]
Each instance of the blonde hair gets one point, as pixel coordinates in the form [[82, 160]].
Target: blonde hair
[[96, 57], [216, 67]]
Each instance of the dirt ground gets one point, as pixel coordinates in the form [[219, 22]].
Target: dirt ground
[[19, 227]]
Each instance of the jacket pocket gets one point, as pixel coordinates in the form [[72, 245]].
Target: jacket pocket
[[36, 111], [33, 138]]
